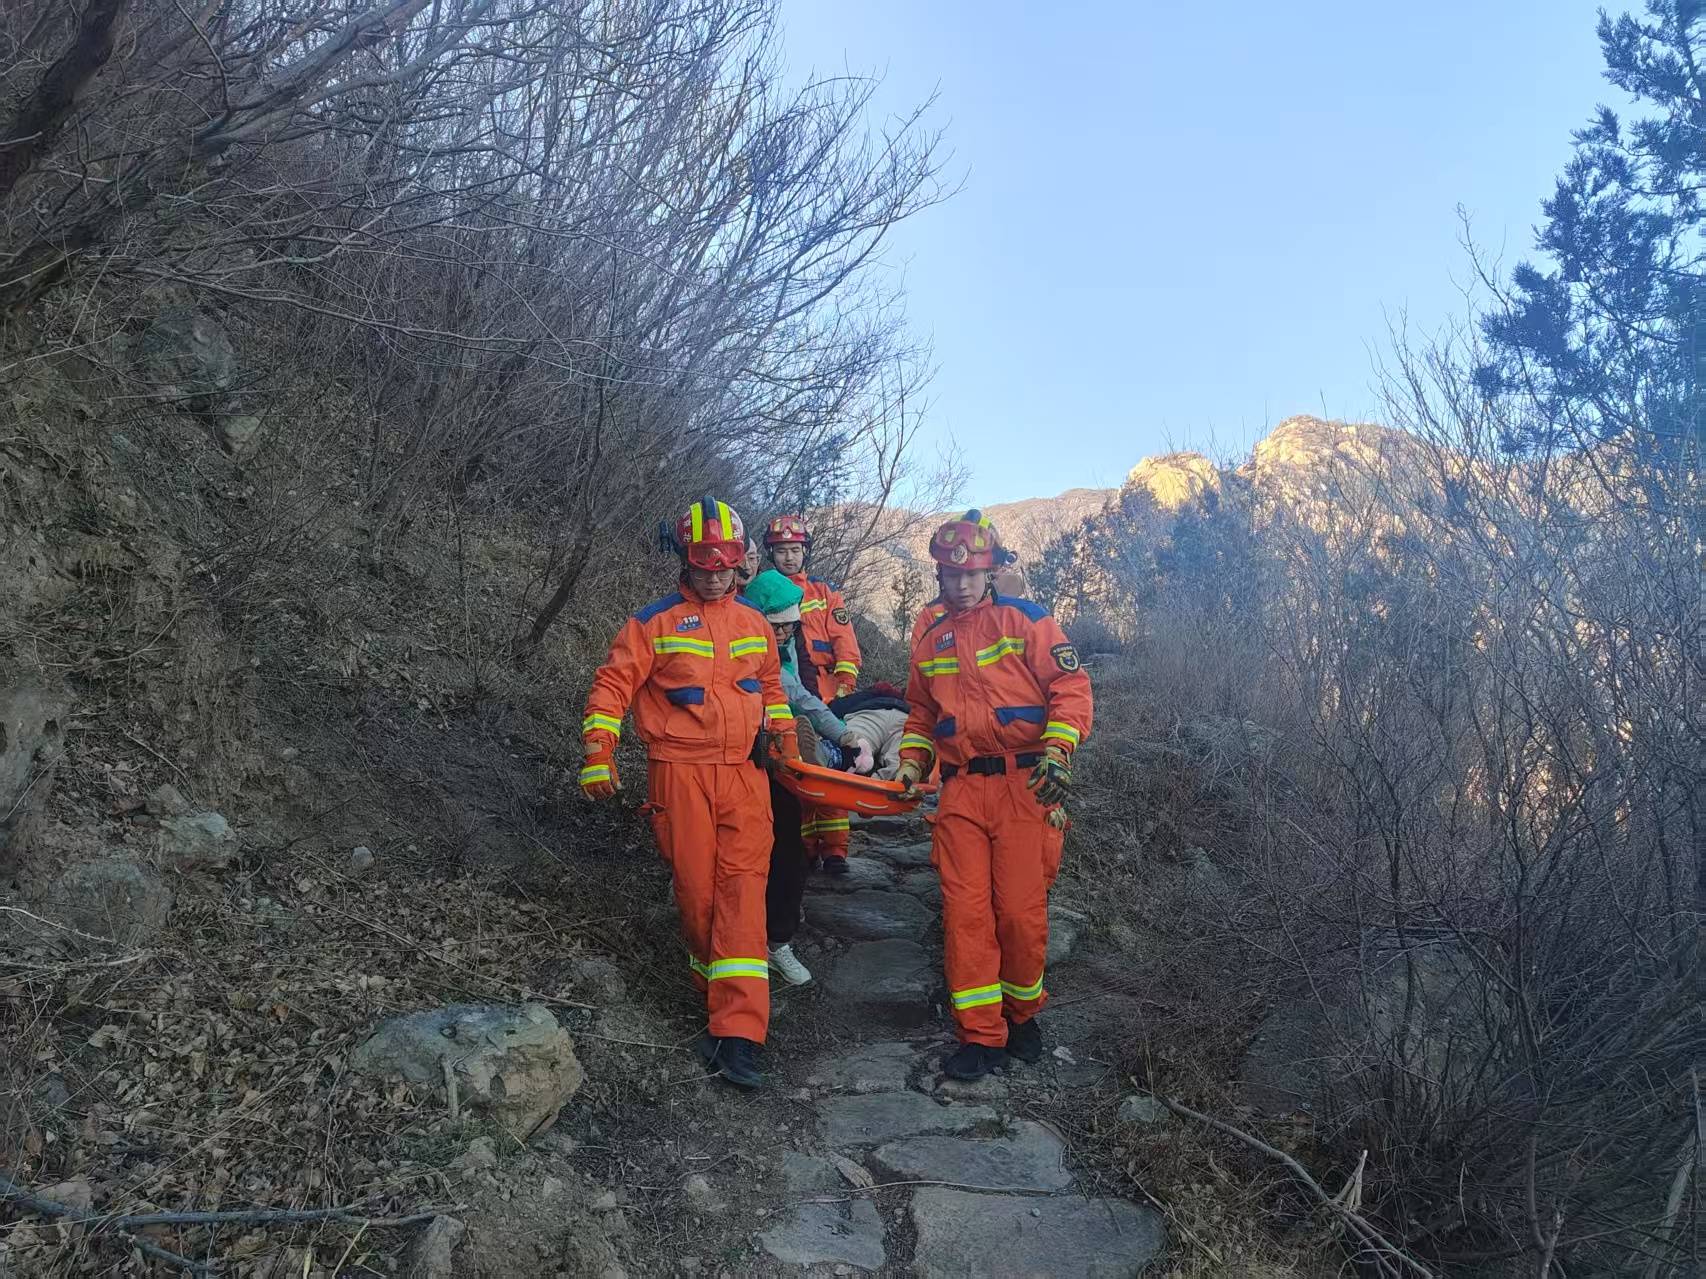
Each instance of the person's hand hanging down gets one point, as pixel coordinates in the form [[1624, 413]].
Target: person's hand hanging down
[[1051, 779], [863, 761], [598, 777]]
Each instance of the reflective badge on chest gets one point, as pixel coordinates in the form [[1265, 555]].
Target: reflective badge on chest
[[944, 641], [691, 622]]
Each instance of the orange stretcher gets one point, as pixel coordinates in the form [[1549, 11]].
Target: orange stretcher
[[831, 788]]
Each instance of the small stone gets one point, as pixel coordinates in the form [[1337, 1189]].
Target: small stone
[[688, 1265], [75, 1194], [361, 860], [1143, 1110], [989, 1088], [165, 801], [703, 1196], [433, 1254], [480, 1154], [197, 841], [289, 753], [551, 1187], [606, 1202]]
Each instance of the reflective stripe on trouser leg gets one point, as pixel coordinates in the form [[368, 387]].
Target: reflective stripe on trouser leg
[[739, 994], [1026, 858], [825, 830], [971, 956], [715, 828]]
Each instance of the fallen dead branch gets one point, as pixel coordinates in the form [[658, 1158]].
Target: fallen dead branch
[[1386, 1253], [123, 1224]]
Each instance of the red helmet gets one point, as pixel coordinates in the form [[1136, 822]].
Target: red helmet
[[969, 542], [788, 528], [711, 536]]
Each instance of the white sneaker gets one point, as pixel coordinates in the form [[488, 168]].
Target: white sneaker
[[784, 961]]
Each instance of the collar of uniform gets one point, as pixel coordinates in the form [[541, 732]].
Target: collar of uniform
[[693, 597], [988, 601]]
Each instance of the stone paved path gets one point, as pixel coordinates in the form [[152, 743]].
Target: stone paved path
[[994, 1196]]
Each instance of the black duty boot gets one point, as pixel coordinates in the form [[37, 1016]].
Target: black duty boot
[[835, 863], [973, 1061], [733, 1059], [1025, 1040]]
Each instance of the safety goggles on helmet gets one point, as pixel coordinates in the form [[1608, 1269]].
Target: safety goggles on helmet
[[710, 536], [787, 530], [968, 543]]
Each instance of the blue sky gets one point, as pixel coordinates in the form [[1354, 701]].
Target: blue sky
[[1183, 223]]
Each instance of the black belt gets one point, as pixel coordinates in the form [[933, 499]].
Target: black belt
[[992, 765]]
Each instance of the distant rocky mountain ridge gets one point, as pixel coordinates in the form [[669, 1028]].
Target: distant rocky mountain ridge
[[1303, 459]]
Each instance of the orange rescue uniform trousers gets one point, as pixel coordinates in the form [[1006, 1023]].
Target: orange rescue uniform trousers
[[997, 857], [712, 823]]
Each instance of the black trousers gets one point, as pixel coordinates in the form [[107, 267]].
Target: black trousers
[[786, 887]]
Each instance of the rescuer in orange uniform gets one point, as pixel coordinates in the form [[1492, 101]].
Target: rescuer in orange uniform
[[700, 669], [826, 633], [998, 695]]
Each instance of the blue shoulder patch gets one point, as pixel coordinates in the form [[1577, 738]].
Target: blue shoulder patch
[[741, 599], [1036, 612], [659, 606]]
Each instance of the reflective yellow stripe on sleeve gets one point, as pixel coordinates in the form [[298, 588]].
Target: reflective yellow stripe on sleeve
[[779, 711], [595, 773], [1061, 733], [917, 741], [813, 606], [596, 723], [846, 668]]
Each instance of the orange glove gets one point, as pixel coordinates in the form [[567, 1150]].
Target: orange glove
[[598, 774], [784, 745]]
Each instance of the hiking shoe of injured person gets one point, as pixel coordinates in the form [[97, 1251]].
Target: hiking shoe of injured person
[[1025, 1040], [973, 1061], [783, 960], [835, 863], [733, 1058]]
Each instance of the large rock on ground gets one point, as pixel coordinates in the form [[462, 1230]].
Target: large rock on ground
[[889, 980], [31, 742], [432, 1255], [514, 1064], [883, 1067], [828, 1234], [1317, 1053], [197, 841], [111, 900], [1029, 1157], [884, 1116], [925, 885], [973, 1236], [1065, 929], [862, 872], [909, 855], [868, 915]]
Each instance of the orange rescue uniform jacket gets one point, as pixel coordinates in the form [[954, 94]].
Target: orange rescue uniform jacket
[[827, 629], [702, 676], [998, 679], [927, 617]]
